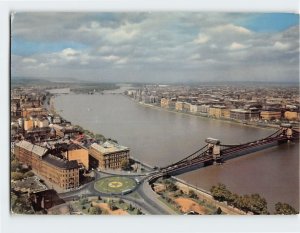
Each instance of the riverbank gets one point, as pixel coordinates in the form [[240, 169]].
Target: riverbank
[[207, 117], [205, 195]]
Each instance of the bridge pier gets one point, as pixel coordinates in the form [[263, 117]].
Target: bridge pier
[[287, 130], [214, 149]]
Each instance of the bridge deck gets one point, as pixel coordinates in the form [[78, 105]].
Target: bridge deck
[[204, 155]]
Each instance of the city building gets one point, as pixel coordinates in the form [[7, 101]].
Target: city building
[[42, 122], [108, 155], [291, 116], [26, 112], [78, 153], [179, 106], [28, 124], [218, 111], [165, 103], [203, 108], [240, 114], [193, 108], [60, 172], [270, 115]]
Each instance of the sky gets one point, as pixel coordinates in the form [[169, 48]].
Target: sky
[[156, 46]]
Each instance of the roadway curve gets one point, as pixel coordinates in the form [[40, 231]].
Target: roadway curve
[[149, 202]]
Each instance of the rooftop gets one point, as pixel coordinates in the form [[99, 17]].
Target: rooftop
[[109, 147], [240, 110], [61, 163], [38, 150]]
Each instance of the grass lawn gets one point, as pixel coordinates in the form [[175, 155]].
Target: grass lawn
[[114, 184]]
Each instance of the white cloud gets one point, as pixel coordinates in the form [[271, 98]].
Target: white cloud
[[111, 58], [281, 46], [122, 61], [202, 39], [195, 57], [236, 46], [29, 60], [69, 54], [115, 59], [231, 28], [125, 32]]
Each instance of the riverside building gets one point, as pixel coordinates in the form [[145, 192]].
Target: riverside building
[[108, 155], [60, 172]]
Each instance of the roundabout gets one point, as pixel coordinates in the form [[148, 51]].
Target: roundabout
[[115, 185]]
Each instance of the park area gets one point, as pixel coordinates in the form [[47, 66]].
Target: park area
[[115, 185]]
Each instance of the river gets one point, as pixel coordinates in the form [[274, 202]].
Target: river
[[160, 137]]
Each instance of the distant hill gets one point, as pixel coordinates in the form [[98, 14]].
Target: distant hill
[[26, 81]]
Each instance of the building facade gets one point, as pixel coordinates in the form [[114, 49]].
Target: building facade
[[63, 173], [109, 154], [240, 114], [78, 153], [179, 106], [270, 115]]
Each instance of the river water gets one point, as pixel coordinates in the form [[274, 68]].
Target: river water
[[159, 137]]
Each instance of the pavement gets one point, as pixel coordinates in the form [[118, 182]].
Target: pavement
[[148, 201]]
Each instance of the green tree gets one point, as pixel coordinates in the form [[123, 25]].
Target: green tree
[[192, 194], [130, 207], [112, 206], [284, 208], [14, 165], [139, 212], [178, 193], [218, 211], [170, 186], [83, 201], [258, 204], [29, 174], [220, 192], [125, 165], [95, 210], [17, 176], [232, 199]]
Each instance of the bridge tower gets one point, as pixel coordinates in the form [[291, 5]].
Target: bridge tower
[[214, 148], [287, 130]]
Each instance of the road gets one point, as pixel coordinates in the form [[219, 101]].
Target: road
[[148, 200]]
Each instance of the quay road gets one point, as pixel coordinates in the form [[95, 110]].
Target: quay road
[[147, 200]]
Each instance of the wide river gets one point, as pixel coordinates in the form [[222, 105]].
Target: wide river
[[160, 137]]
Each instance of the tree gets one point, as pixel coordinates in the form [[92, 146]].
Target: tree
[[170, 186], [219, 211], [139, 212], [120, 201], [130, 207], [258, 204], [125, 165], [83, 201], [232, 199], [112, 206], [284, 208], [29, 174], [95, 210], [17, 176], [178, 193], [220, 192], [14, 165], [192, 194]]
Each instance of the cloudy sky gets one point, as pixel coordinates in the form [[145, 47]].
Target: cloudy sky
[[153, 47]]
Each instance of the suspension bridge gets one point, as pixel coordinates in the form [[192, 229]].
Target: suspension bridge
[[214, 152]]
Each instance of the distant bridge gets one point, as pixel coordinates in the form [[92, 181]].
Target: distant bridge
[[215, 152]]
